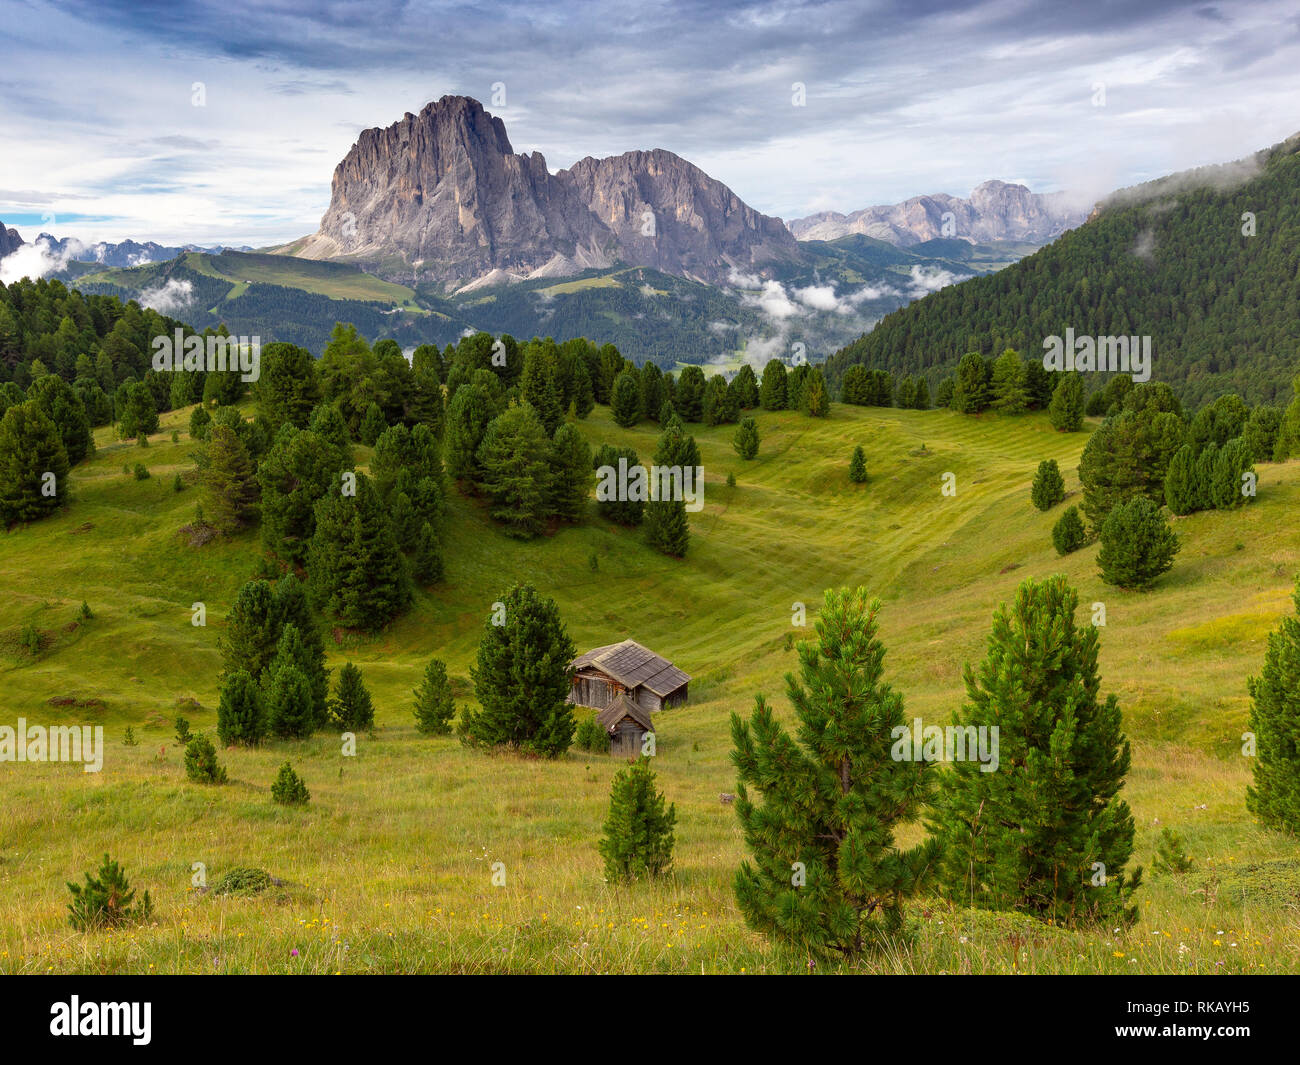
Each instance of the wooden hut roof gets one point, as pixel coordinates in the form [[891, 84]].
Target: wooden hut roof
[[633, 666], [620, 708]]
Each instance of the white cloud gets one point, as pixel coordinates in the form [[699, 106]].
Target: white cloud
[[35, 260], [170, 298]]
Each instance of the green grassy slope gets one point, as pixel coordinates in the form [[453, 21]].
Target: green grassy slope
[[390, 867]]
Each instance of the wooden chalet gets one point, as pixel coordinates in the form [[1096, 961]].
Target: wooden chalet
[[649, 680], [626, 723]]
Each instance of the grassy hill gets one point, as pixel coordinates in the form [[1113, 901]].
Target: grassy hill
[[390, 868]]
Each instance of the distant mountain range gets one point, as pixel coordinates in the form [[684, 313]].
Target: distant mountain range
[[996, 211], [67, 250]]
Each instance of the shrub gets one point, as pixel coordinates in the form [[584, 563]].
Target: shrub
[[183, 734], [1274, 795], [1068, 534], [86, 615], [129, 740], [106, 901], [243, 881], [1049, 485], [141, 471], [858, 466], [201, 765], [178, 483], [589, 736], [746, 439], [1137, 545], [638, 839], [1171, 858], [288, 788]]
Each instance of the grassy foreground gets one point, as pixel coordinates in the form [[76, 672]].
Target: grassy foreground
[[390, 869]]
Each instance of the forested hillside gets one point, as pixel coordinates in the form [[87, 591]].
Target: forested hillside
[[1211, 274]]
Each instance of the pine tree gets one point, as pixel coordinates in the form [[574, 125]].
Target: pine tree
[[427, 565], [584, 400], [298, 471], [252, 631], [825, 873], [1207, 462], [970, 393], [625, 401], [1010, 396], [745, 385], [629, 511], [328, 423], [137, 412], [468, 415], [1066, 408], [293, 650], [33, 464], [1046, 832], [1049, 485], [434, 709], [288, 788], [515, 461], [772, 394], [746, 439], [1230, 468], [1137, 545], [228, 488], [66, 410], [290, 607], [521, 678], [287, 388], [290, 710], [538, 387], [352, 708], [106, 900], [638, 832], [667, 528], [1181, 493], [201, 765], [372, 425], [571, 473], [241, 714], [356, 573], [921, 400], [858, 466], [814, 400], [1068, 534], [1275, 724]]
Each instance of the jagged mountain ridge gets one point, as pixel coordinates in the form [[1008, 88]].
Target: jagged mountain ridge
[[442, 196], [995, 211]]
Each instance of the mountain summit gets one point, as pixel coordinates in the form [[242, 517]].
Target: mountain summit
[[996, 210], [442, 196]]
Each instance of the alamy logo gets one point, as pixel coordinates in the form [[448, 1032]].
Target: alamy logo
[[952, 743], [59, 743], [634, 484], [102, 1018], [1130, 355], [210, 353]]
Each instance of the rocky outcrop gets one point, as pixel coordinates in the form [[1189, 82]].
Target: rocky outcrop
[[442, 196], [995, 210], [10, 241]]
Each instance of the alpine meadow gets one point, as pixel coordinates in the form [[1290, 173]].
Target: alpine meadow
[[487, 562]]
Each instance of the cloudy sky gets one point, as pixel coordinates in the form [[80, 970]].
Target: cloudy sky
[[101, 138]]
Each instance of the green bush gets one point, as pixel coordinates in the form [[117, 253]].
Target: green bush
[[1171, 858], [243, 881], [129, 739], [183, 734], [141, 471], [201, 763], [589, 736], [1068, 533], [1049, 485], [288, 788], [106, 900]]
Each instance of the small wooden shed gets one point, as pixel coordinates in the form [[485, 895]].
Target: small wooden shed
[[626, 723], [650, 680]]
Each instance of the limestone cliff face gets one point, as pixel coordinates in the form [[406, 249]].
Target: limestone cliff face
[[10, 241], [995, 210], [442, 196]]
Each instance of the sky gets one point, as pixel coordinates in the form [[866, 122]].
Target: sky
[[189, 121]]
